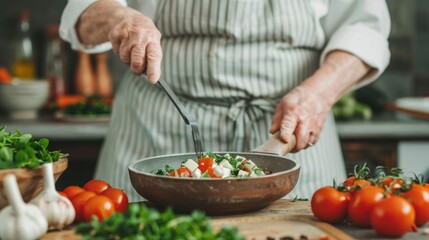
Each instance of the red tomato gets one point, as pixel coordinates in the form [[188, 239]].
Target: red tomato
[[62, 194], [118, 197], [210, 171], [349, 181], [362, 202], [426, 185], [100, 206], [79, 201], [391, 183], [71, 191], [96, 185], [205, 163], [181, 172], [392, 217], [352, 183], [330, 205], [419, 198]]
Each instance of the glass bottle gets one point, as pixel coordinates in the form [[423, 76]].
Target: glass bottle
[[54, 63], [23, 65]]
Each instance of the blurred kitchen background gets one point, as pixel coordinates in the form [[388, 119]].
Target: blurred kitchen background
[[384, 137]]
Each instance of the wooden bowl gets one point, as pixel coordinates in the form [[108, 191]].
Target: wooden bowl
[[214, 196], [30, 181]]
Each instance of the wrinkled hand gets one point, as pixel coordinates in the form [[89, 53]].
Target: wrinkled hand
[[303, 113], [137, 42]]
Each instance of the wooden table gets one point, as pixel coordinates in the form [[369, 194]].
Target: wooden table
[[280, 219]]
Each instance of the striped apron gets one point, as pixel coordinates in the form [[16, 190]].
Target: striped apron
[[230, 61]]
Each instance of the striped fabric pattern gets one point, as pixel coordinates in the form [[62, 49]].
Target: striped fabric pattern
[[230, 61]]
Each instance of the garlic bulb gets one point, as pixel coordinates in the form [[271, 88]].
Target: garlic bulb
[[57, 209], [20, 220]]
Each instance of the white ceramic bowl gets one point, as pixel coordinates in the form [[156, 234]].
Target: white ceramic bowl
[[420, 104], [23, 98]]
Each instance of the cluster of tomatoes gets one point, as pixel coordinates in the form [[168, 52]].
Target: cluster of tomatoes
[[96, 198], [389, 202]]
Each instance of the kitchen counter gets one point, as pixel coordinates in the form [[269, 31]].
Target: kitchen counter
[[282, 218], [51, 128], [387, 126]]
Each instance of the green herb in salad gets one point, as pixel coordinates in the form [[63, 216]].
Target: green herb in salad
[[23, 151], [142, 222]]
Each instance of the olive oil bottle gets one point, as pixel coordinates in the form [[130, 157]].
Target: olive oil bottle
[[23, 65]]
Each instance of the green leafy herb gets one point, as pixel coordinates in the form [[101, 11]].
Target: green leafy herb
[[296, 198], [23, 151], [141, 222], [91, 107], [164, 172]]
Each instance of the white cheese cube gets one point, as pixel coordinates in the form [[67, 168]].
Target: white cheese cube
[[242, 173], [218, 171], [196, 173], [226, 164], [249, 165], [191, 165], [226, 172]]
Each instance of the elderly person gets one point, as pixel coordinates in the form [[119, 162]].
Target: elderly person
[[244, 69]]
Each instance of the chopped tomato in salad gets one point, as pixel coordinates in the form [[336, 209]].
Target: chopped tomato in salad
[[214, 166]]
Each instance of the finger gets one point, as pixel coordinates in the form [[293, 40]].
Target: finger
[[287, 128], [154, 57], [275, 123], [302, 136], [312, 139], [116, 40], [138, 60], [115, 46], [124, 53]]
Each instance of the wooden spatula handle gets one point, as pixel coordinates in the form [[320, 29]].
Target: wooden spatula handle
[[274, 145]]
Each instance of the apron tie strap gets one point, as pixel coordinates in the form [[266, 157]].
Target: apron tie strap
[[254, 108]]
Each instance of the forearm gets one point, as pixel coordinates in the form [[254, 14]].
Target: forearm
[[96, 22], [339, 72]]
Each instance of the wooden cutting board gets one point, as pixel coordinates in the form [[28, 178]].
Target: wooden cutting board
[[283, 218], [277, 227]]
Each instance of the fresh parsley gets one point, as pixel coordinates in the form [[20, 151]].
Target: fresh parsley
[[23, 151], [142, 222]]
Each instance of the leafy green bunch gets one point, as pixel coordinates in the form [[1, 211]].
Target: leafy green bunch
[[23, 151], [142, 222], [91, 107]]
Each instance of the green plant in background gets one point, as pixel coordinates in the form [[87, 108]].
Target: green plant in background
[[23, 151], [348, 108], [360, 104], [93, 106]]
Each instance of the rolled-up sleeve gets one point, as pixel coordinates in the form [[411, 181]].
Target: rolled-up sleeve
[[69, 18], [362, 28]]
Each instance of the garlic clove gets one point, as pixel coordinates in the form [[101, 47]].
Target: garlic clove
[[57, 209], [20, 220]]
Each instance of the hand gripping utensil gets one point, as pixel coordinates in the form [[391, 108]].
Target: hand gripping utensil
[[199, 151]]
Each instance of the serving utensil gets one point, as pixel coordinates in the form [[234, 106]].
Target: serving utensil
[[199, 151]]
